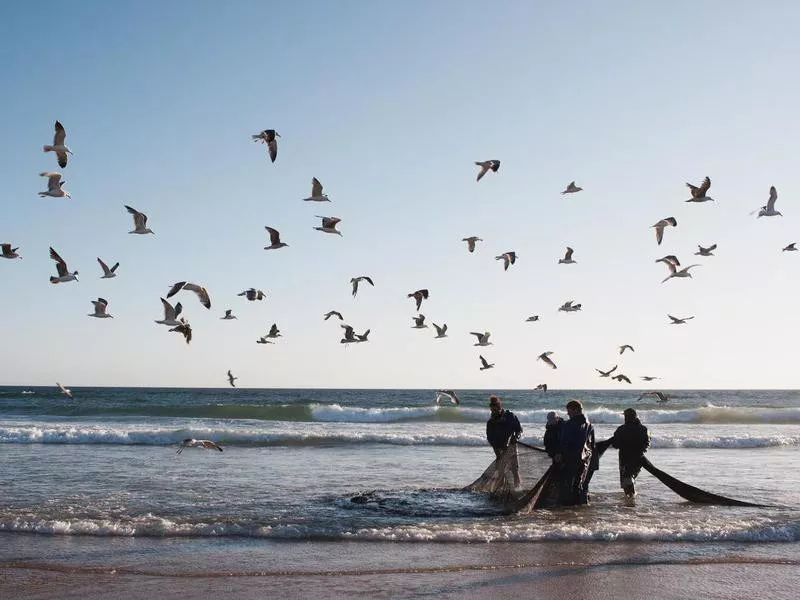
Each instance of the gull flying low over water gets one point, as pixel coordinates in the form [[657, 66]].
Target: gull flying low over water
[[58, 146], [54, 185], [354, 282], [63, 273], [790, 248], [419, 322], [669, 221], [274, 239], [486, 165], [606, 373], [621, 378], [768, 210], [139, 221], [705, 251], [268, 137], [107, 273], [507, 258], [6, 251], [316, 192], [170, 314], [484, 364], [568, 306], [228, 315], [483, 338], [649, 377], [661, 396], [541, 387], [332, 313], [567, 260], [441, 332], [202, 293], [471, 242], [674, 272], [192, 443], [185, 329], [100, 307], [677, 321], [572, 189], [419, 296], [65, 391], [449, 394], [329, 224], [231, 378], [699, 193], [545, 358], [253, 294], [626, 347]]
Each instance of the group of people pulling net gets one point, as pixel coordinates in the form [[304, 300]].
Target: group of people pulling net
[[524, 477]]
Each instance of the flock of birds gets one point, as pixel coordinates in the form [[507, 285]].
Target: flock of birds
[[269, 137]]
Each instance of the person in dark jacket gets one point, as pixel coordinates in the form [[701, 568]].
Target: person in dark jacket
[[502, 428], [552, 433], [574, 455], [632, 441]]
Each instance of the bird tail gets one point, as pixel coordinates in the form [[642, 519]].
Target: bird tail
[[48, 149]]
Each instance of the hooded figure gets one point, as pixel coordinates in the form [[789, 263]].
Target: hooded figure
[[632, 441], [552, 433]]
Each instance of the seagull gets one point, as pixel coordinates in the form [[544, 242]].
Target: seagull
[[268, 137], [649, 377], [354, 281], [699, 193], [202, 293], [54, 183], [677, 321], [332, 313], [107, 273], [568, 306], [572, 189], [790, 248], [449, 394], [621, 378], [419, 322], [65, 391], [670, 258], [419, 295], [170, 314], [486, 165], [63, 274], [766, 211], [329, 224], [626, 347], [441, 332], [139, 221], [567, 260], [228, 315], [351, 337], [606, 373], [58, 146], [274, 332], [185, 329], [541, 386], [192, 443], [316, 192], [231, 378], [253, 294], [274, 239], [263, 340], [483, 338], [532, 318], [662, 397], [705, 251], [545, 358], [485, 365], [471, 242], [507, 258], [661, 225], [674, 272], [100, 306], [6, 251]]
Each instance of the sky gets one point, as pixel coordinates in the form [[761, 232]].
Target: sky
[[389, 104]]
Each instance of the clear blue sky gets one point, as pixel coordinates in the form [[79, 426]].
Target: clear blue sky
[[389, 104]]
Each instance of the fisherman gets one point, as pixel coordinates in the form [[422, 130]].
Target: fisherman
[[502, 429], [552, 433], [632, 441], [574, 455]]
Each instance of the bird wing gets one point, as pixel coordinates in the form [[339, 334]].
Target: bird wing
[[484, 168], [704, 187], [169, 311], [483, 360], [61, 266], [475, 333], [104, 266], [53, 181], [60, 135], [139, 219], [209, 445], [274, 235], [368, 280], [354, 283], [273, 331], [272, 146], [316, 188], [773, 196], [176, 288], [201, 292], [568, 255], [695, 190]]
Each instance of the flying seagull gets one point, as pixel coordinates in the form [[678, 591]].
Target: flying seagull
[[441, 332], [419, 322], [568, 306], [6, 251], [100, 306], [58, 146], [419, 295], [626, 347], [662, 397], [532, 318], [170, 314], [567, 260], [606, 373], [507, 258], [677, 321], [354, 282], [316, 192], [485, 365], [253, 294], [139, 221], [483, 338], [545, 358], [705, 251], [572, 189], [268, 137], [273, 332], [541, 386], [54, 183], [699, 193], [790, 248], [263, 340], [65, 391], [329, 225], [332, 313], [449, 394], [351, 337], [274, 239], [107, 273], [63, 274], [769, 209], [228, 315], [674, 272], [192, 443], [486, 165], [202, 293], [621, 378], [231, 378], [649, 377], [670, 259], [471, 242], [185, 329], [669, 221]]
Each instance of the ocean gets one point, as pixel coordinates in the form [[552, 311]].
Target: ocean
[[96, 481]]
